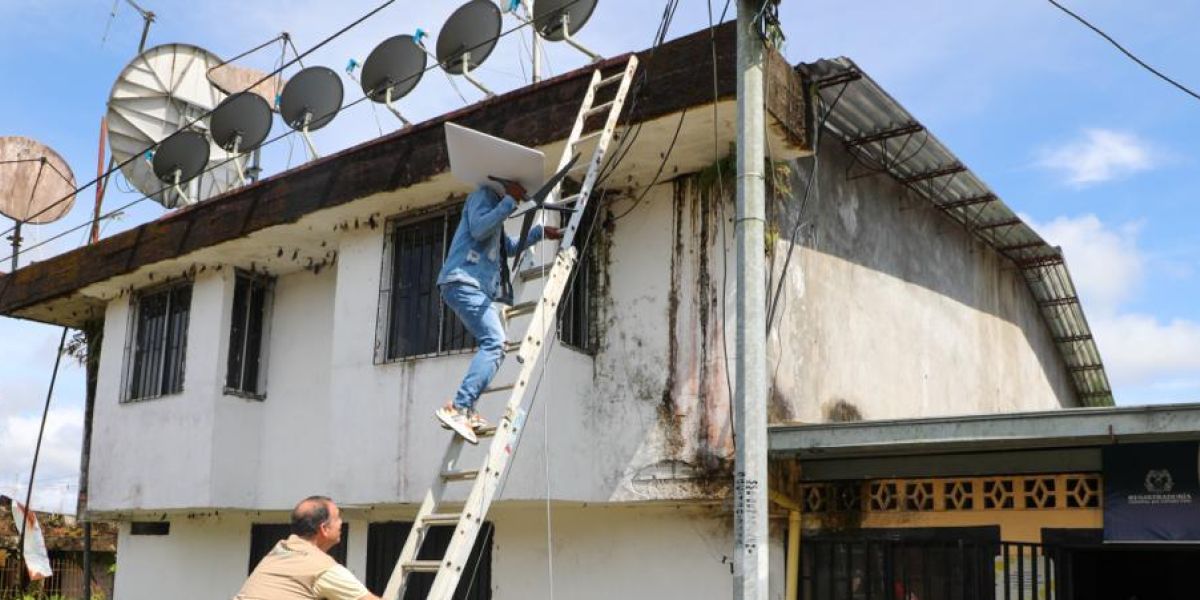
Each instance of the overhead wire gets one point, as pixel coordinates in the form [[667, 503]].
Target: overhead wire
[[187, 126], [812, 178], [1126, 52], [217, 165]]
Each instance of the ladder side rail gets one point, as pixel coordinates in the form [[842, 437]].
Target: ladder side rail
[[508, 437], [593, 172], [417, 535]]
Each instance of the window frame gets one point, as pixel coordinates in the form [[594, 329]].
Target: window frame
[[132, 330], [384, 315], [267, 284]]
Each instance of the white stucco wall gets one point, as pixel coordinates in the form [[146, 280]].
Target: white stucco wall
[[890, 308], [641, 552]]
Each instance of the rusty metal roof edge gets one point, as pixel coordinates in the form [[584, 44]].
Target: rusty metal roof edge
[[861, 95]]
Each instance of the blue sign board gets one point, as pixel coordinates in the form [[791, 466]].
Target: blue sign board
[[1152, 492]]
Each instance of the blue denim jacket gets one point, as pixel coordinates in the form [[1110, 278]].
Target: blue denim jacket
[[474, 256]]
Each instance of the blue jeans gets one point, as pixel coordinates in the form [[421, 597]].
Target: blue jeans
[[481, 318]]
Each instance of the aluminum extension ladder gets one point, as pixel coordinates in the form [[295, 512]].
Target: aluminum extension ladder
[[468, 518]]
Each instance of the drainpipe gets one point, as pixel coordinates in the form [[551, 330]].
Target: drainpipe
[[792, 587]]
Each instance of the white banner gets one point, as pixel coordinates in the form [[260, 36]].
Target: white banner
[[37, 560]]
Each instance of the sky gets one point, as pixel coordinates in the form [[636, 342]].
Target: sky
[[1091, 149]]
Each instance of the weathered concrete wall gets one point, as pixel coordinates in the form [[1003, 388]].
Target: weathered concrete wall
[[643, 552], [893, 310], [889, 310]]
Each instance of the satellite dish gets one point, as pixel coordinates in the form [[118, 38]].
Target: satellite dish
[[36, 185], [468, 38], [556, 20], [239, 125], [162, 90], [310, 101], [392, 70], [179, 159]]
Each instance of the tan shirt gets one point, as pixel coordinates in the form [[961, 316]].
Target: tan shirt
[[297, 570]]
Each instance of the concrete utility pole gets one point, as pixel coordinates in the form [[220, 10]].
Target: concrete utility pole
[[750, 413]]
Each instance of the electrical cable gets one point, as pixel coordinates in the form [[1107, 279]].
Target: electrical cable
[[1126, 52], [803, 204], [37, 448], [220, 164], [206, 113]]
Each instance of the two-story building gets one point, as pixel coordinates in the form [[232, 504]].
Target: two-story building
[[286, 338]]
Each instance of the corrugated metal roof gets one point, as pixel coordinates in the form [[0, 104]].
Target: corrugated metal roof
[[884, 137]]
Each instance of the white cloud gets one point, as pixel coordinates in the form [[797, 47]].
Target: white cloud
[[1154, 359], [1106, 264], [1099, 155], [58, 464], [1139, 349]]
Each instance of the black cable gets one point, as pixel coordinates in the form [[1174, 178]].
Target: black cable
[[205, 114], [1126, 52], [712, 39], [661, 165], [37, 448], [218, 165], [803, 204]]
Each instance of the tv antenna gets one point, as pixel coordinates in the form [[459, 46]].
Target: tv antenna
[[161, 91], [310, 100], [392, 70], [467, 39], [36, 186], [239, 125], [179, 159]]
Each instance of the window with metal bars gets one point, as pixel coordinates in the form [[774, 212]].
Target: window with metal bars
[[385, 541], [264, 536], [244, 375], [418, 323], [576, 321], [414, 320], [159, 342]]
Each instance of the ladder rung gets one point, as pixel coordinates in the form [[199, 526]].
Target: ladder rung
[[422, 566], [510, 347], [598, 109], [588, 136], [609, 80], [535, 272], [488, 431], [441, 519], [499, 388], [520, 309], [460, 475]]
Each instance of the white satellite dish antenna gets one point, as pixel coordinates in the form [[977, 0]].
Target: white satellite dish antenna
[[36, 186], [158, 93]]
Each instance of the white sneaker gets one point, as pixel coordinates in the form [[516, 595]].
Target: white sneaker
[[458, 421]]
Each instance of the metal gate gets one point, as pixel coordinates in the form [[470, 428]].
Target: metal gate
[[937, 570]]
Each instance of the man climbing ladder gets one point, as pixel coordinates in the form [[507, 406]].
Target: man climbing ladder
[[469, 282], [476, 260]]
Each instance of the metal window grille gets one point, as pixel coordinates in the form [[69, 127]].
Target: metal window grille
[[247, 324], [159, 342], [865, 569], [264, 536], [418, 322], [385, 540], [576, 321]]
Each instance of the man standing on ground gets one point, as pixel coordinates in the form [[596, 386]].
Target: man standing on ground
[[469, 282], [299, 567]]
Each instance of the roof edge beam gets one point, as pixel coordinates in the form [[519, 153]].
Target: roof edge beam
[[953, 169], [886, 134], [965, 202]]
